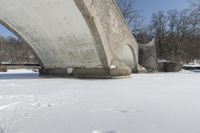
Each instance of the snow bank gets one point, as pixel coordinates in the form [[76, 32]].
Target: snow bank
[[20, 71]]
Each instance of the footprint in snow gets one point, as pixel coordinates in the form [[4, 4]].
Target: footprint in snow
[[124, 111], [108, 131]]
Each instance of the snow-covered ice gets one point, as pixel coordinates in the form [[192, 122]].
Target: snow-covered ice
[[144, 103]]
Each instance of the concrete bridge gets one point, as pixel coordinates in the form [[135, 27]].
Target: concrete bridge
[[73, 37]]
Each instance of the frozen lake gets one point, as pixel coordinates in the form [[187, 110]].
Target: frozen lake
[[144, 103]]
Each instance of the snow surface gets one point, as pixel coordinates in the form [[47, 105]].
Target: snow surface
[[192, 65], [145, 103]]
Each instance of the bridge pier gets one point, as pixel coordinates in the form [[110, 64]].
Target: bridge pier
[[119, 69]]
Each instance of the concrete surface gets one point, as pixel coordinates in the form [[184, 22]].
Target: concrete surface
[[80, 35], [148, 56]]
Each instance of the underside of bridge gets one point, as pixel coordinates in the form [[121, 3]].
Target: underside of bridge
[[83, 38]]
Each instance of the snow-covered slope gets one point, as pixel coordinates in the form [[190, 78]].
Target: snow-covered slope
[[153, 103]]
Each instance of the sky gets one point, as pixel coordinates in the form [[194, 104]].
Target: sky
[[4, 32], [147, 8]]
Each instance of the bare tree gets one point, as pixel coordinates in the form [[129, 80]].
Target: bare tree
[[195, 22], [158, 25], [195, 18], [183, 24], [173, 19], [12, 50], [195, 4], [131, 14]]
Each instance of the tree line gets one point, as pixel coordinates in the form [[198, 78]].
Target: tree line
[[177, 32], [15, 51]]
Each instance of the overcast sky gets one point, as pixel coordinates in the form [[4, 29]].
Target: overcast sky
[[147, 7]]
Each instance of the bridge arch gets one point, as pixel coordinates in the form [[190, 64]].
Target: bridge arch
[[81, 35], [10, 28], [129, 58]]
